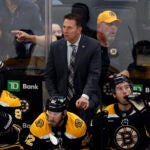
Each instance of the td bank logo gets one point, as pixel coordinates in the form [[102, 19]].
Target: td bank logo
[[13, 85]]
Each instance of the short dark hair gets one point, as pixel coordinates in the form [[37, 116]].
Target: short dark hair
[[142, 47], [81, 9], [76, 17]]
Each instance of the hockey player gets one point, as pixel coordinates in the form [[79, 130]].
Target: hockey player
[[124, 125], [56, 128]]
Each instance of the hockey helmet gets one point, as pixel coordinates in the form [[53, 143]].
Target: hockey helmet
[[117, 79], [56, 103]]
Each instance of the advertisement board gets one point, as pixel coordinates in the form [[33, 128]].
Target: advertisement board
[[29, 90]]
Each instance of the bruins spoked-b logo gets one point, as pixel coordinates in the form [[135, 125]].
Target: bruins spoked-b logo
[[126, 137]]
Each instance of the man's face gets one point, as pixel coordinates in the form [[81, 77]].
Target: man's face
[[108, 30], [71, 30], [54, 118], [56, 30], [121, 90]]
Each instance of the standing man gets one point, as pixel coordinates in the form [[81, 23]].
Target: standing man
[[107, 28], [86, 70]]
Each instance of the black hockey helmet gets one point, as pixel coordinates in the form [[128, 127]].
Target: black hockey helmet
[[117, 79], [56, 103]]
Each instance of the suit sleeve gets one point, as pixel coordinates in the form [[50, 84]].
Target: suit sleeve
[[92, 88], [50, 74]]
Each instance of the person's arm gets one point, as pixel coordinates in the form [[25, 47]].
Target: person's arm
[[50, 73], [9, 132], [91, 88], [37, 39], [124, 72], [22, 36]]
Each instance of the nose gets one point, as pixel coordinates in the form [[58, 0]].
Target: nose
[[124, 90], [51, 118]]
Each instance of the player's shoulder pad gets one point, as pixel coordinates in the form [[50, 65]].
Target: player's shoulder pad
[[8, 99], [40, 127], [75, 125]]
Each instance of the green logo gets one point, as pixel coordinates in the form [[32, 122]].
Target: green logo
[[137, 88], [13, 85]]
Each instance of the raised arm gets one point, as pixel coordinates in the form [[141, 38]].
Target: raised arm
[[25, 37]]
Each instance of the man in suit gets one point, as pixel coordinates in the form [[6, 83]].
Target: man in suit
[[87, 68]]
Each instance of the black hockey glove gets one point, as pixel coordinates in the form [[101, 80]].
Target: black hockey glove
[[100, 120], [99, 131]]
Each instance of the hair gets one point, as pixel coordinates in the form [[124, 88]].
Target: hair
[[81, 9], [76, 17], [142, 46]]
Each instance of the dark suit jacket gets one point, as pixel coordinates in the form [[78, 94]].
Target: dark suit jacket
[[87, 69]]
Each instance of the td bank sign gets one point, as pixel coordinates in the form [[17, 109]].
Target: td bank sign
[[13, 85]]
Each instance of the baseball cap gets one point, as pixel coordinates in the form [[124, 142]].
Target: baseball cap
[[108, 16]]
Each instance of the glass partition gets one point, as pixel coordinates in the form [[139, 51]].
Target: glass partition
[[37, 16], [41, 23], [27, 16]]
